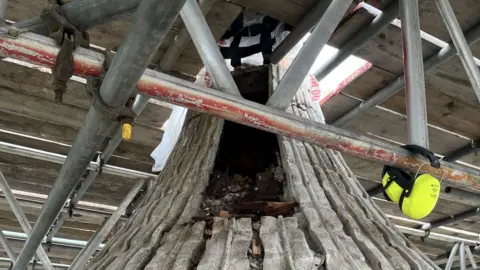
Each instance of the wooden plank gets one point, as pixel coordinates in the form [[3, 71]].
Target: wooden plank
[[62, 134], [36, 82], [58, 254], [129, 159], [71, 230], [354, 22], [443, 110], [392, 126], [38, 176], [439, 212], [90, 218], [285, 10], [385, 52], [431, 22], [46, 110]]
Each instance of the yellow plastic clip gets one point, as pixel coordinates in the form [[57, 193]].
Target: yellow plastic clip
[[126, 131]]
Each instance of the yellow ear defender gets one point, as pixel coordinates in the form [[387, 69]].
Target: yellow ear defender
[[416, 195]]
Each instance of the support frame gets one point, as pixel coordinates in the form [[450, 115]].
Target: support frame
[[42, 51]]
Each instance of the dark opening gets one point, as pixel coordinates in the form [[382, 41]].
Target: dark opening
[[247, 178]]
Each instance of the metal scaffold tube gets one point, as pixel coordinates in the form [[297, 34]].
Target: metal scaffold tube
[[42, 51], [23, 221], [207, 48], [166, 64], [396, 86], [303, 62], [450, 219], [414, 74], [358, 40], [6, 246], [470, 257], [463, 265], [150, 25], [461, 44], [451, 258], [87, 252], [84, 14], [302, 28], [60, 159], [3, 10]]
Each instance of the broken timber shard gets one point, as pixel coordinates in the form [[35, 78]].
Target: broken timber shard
[[336, 225]]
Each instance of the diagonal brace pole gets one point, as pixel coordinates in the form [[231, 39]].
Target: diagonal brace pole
[[84, 256], [397, 85], [150, 25], [460, 43], [414, 74], [23, 220], [303, 62], [7, 247]]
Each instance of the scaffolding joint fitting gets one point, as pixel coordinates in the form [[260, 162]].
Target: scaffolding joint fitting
[[69, 38], [13, 32], [49, 245], [120, 114], [71, 207]]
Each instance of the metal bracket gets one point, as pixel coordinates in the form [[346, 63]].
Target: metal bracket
[[115, 114], [58, 25], [49, 246], [71, 207], [69, 37], [427, 234]]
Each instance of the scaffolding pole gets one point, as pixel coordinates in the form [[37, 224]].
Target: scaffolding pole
[[470, 257], [42, 51], [358, 40], [450, 219], [302, 28], [451, 258], [84, 14], [414, 77], [472, 147], [62, 242], [303, 62], [207, 47], [60, 159], [463, 265], [6, 246], [460, 43], [23, 221], [150, 25], [396, 86], [84, 256], [3, 10]]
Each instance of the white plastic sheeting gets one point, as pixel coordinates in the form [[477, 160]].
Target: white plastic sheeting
[[174, 127]]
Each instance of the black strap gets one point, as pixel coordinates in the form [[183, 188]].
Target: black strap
[[268, 25], [402, 197], [236, 57], [237, 31], [416, 149], [401, 177]]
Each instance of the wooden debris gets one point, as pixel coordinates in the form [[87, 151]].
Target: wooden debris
[[267, 208], [255, 248], [224, 214]]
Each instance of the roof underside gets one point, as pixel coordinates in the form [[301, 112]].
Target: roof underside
[[30, 117]]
